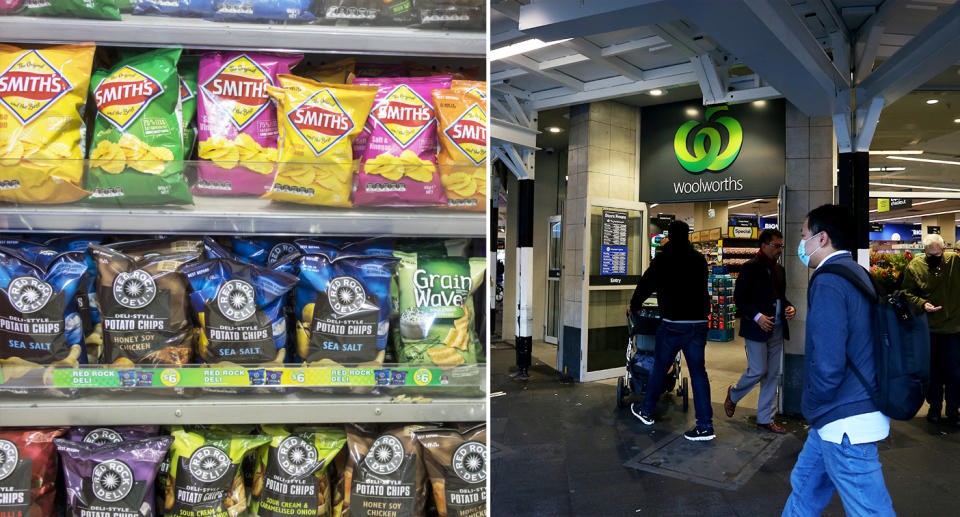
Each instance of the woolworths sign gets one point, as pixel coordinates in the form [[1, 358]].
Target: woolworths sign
[[690, 153]]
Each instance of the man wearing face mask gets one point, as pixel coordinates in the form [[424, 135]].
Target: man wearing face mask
[[932, 281], [840, 453]]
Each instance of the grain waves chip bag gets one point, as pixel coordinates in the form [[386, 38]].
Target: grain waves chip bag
[[43, 93], [293, 474], [144, 306], [384, 469], [136, 156], [319, 122], [99, 436], [205, 473], [399, 164], [436, 309], [462, 134], [112, 480], [343, 308], [457, 466], [240, 309], [237, 132], [28, 462]]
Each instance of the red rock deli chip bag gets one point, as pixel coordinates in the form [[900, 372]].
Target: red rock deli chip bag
[[28, 471], [399, 167]]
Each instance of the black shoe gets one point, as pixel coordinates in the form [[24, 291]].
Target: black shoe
[[641, 416], [700, 434]]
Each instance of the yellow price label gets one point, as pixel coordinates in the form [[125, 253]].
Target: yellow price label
[[170, 377], [422, 377]]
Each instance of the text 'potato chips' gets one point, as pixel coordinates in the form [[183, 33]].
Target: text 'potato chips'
[[462, 135]]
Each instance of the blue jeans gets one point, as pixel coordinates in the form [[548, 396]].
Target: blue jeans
[[853, 470], [691, 338]]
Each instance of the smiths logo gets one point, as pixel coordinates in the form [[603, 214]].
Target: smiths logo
[[469, 462], [102, 436], [30, 86], [209, 464], [134, 290], [469, 134], [9, 457], [185, 93], [321, 121], [346, 295], [122, 96], [239, 89], [404, 114], [28, 294], [236, 300], [296, 457], [385, 456], [112, 480]]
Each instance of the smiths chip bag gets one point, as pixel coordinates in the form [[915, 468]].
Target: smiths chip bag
[[462, 135], [237, 132], [477, 89], [399, 165], [456, 461], [43, 93], [338, 72], [318, 122], [136, 154], [385, 466]]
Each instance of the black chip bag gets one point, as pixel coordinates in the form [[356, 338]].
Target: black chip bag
[[456, 463], [146, 248], [385, 470]]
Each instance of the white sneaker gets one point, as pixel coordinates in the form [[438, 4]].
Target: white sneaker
[[643, 417]]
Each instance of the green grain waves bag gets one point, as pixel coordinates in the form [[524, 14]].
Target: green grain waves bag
[[385, 473], [293, 474], [435, 300], [144, 307], [456, 463], [206, 478], [189, 68], [136, 153]]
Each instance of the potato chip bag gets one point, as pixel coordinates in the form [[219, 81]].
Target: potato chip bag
[[293, 475], [318, 122], [380, 69], [262, 252], [30, 464], [93, 9], [147, 248], [238, 130], [188, 68], [287, 11], [136, 154], [338, 72], [462, 135], [44, 93], [456, 463], [399, 165], [87, 302], [477, 88], [99, 436], [385, 465]]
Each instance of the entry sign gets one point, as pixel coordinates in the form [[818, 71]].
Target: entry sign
[[613, 243]]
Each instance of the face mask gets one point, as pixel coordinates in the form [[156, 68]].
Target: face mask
[[802, 250], [934, 260]]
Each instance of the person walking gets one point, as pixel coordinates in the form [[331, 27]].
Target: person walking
[[932, 281], [840, 452], [678, 274], [764, 312]]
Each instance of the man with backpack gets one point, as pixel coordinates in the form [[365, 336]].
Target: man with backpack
[[839, 379]]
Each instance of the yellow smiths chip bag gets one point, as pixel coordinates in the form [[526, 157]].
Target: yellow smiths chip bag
[[338, 72], [318, 123], [476, 88], [462, 156], [43, 93]]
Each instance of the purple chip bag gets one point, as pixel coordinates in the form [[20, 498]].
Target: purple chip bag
[[109, 435], [115, 479], [144, 379], [274, 378], [238, 121], [403, 122]]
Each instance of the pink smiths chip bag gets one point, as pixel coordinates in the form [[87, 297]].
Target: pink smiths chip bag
[[399, 166], [237, 130]]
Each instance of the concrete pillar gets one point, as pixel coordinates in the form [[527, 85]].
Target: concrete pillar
[[525, 273], [947, 226]]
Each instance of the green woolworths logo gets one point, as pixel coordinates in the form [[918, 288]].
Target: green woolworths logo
[[708, 159]]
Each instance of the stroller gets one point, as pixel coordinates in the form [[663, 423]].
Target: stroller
[[641, 329]]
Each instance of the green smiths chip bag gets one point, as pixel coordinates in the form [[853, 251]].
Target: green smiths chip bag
[[189, 68], [343, 308], [136, 153], [240, 310], [93, 9], [292, 476], [385, 474], [456, 461], [205, 474], [435, 300]]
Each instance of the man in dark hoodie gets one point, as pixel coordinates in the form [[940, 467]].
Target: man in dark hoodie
[[679, 276], [840, 453]]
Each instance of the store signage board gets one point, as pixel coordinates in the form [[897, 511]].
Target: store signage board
[[742, 232], [876, 227], [743, 222], [692, 153], [934, 230], [613, 244], [899, 203]]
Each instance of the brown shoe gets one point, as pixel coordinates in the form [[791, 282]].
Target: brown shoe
[[728, 406], [772, 427]]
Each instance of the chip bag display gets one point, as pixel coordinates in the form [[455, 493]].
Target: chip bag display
[[136, 154], [436, 309], [399, 165], [99, 436], [456, 463], [240, 309], [44, 93], [144, 305], [318, 123], [237, 132], [337, 72], [462, 135], [116, 479], [293, 475], [92, 9], [384, 465], [188, 68], [205, 473], [343, 307], [29, 464]]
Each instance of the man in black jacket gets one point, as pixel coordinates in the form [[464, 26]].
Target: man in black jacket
[[679, 277], [764, 312]]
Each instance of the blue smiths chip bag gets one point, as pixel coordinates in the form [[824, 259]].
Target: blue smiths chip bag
[[343, 309], [39, 318], [240, 309]]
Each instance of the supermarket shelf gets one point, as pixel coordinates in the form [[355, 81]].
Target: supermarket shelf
[[160, 31], [244, 216]]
